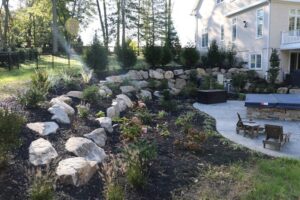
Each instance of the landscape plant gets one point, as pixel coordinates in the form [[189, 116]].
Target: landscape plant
[[166, 55], [152, 55], [130, 128], [83, 110], [91, 94], [190, 56], [126, 55], [11, 124], [274, 67], [167, 102]]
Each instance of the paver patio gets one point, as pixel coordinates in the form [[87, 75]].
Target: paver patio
[[226, 118]]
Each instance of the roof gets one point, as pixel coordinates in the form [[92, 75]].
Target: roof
[[197, 6]]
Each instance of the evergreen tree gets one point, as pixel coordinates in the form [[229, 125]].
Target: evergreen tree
[[274, 67]]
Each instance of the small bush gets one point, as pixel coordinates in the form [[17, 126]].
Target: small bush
[[185, 121], [96, 57], [209, 82], [153, 55], [115, 192], [274, 67], [83, 110], [162, 114], [10, 128], [194, 76], [145, 116], [190, 56], [190, 90], [100, 114], [41, 189], [135, 175], [163, 85], [126, 56], [91, 94], [130, 129], [167, 102], [166, 56], [239, 81], [37, 91]]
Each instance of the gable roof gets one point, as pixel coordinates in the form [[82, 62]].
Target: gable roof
[[197, 7]]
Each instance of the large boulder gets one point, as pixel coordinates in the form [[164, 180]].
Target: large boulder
[[112, 112], [283, 90], [294, 91], [145, 94], [83, 147], [127, 89], [169, 75], [115, 79], [134, 75], [41, 152], [120, 103], [180, 83], [201, 72], [98, 136], [106, 122], [106, 89], [126, 99], [64, 98], [43, 128], [178, 72], [75, 94], [76, 171], [156, 74], [59, 114], [68, 109], [140, 84], [145, 74]]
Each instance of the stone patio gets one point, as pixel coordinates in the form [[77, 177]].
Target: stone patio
[[226, 117]]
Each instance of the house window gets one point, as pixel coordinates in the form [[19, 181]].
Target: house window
[[205, 38], [222, 33], [255, 61], [294, 22], [219, 1], [234, 29], [259, 23]]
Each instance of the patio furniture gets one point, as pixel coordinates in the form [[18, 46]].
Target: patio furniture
[[275, 136], [248, 126]]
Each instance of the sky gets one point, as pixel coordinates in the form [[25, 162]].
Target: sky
[[183, 22]]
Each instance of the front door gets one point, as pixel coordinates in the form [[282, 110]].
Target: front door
[[295, 61]]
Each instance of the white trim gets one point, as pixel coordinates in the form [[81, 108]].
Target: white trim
[[261, 61], [247, 8], [222, 25]]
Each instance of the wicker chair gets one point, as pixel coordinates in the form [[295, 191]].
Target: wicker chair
[[275, 136]]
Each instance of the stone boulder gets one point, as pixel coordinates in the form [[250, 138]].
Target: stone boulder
[[126, 99], [106, 122], [85, 148], [112, 112], [120, 103], [59, 114], [64, 98], [68, 109], [41, 152], [145, 94], [184, 77], [43, 128], [216, 69], [98, 136], [107, 90], [201, 72], [115, 79], [157, 94], [76, 171], [169, 75], [134, 75], [178, 72], [75, 94], [140, 84], [180, 83], [283, 90], [127, 89], [294, 91], [145, 74], [156, 74], [175, 91]]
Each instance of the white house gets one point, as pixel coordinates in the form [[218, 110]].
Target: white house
[[253, 27]]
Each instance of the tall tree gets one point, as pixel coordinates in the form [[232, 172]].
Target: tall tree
[[54, 27]]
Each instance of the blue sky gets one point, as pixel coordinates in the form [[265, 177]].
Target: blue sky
[[183, 21]]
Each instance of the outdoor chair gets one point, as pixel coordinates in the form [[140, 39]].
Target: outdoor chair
[[251, 130], [275, 136]]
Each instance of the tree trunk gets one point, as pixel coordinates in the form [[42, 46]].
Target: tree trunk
[[6, 21], [54, 28], [118, 23], [106, 26], [123, 24], [138, 27], [153, 23], [101, 21]]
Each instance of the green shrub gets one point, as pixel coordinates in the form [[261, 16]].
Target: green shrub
[[162, 114], [144, 115], [166, 56], [239, 81], [274, 67], [167, 102], [83, 110], [163, 85], [190, 56], [37, 91], [185, 121], [213, 55], [91, 94], [10, 128], [190, 90], [153, 55], [194, 76], [130, 129], [209, 82], [96, 57], [115, 192], [41, 187], [100, 114], [126, 56]]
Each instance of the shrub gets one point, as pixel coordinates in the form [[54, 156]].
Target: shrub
[[166, 56], [37, 91], [167, 102], [41, 187], [185, 121], [130, 129], [190, 90], [100, 114], [239, 81], [138, 157], [153, 55], [145, 116], [274, 67], [126, 55], [194, 76], [10, 128], [83, 110], [213, 55], [163, 129], [190, 56], [162, 114], [163, 85], [115, 192], [96, 57], [209, 82], [86, 75], [91, 94]]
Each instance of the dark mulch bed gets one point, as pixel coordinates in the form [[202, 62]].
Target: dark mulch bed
[[174, 168]]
